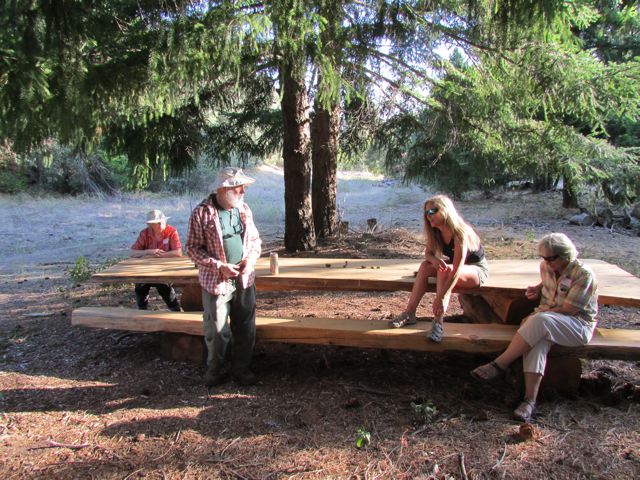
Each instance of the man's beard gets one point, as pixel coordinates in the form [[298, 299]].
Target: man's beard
[[234, 199]]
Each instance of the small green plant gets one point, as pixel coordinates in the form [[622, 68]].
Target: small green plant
[[109, 262], [81, 271], [424, 412], [17, 333], [530, 235], [363, 438]]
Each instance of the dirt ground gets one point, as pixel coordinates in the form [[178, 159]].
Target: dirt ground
[[82, 403]]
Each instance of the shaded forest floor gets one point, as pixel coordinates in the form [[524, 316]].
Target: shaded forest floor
[[80, 403]]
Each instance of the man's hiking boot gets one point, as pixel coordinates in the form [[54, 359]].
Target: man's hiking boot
[[215, 377], [245, 378]]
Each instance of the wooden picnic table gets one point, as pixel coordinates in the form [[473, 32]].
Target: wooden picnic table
[[503, 294], [508, 278]]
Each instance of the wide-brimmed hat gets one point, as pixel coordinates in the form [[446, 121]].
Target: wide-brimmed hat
[[231, 177], [156, 216]]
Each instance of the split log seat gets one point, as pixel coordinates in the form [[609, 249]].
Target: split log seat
[[487, 339]]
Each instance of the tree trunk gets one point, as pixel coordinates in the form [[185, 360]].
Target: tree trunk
[[324, 140], [543, 182], [299, 232], [569, 192]]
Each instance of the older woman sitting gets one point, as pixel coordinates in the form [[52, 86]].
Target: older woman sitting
[[566, 316]]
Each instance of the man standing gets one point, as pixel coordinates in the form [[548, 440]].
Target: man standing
[[224, 243]]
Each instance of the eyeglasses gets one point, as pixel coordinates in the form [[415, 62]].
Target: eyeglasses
[[549, 259], [431, 211]]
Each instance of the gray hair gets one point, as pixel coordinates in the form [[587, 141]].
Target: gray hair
[[559, 244]]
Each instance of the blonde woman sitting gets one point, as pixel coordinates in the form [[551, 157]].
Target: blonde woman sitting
[[453, 255]]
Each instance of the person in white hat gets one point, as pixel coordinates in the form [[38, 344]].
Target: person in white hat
[[224, 243], [157, 240]]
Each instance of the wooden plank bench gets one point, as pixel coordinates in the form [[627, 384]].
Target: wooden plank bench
[[459, 337]]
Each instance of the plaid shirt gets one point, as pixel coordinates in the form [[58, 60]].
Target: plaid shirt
[[205, 247], [147, 240], [576, 286]]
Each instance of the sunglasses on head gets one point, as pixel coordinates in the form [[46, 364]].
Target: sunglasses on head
[[431, 211], [549, 259]]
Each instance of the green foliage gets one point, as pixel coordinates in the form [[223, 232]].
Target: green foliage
[[363, 438], [530, 234], [614, 34], [109, 262], [12, 180], [424, 412], [535, 111], [157, 84], [60, 169], [81, 270]]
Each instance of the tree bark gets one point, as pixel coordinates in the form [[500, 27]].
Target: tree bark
[[324, 138], [299, 233], [543, 182], [569, 192]]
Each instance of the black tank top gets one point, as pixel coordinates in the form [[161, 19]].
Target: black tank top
[[473, 256]]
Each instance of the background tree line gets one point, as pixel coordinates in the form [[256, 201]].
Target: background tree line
[[534, 90]]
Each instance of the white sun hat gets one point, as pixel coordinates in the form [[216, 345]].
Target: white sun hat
[[156, 216], [231, 177]]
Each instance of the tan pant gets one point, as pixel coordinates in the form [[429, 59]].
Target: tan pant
[[544, 329]]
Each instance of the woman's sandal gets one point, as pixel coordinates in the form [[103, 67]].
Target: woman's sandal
[[436, 333], [525, 410], [405, 318], [490, 371]]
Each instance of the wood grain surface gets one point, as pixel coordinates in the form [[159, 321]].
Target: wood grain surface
[[507, 277], [459, 337]]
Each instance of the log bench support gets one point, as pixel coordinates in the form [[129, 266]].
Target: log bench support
[[492, 308], [191, 298], [182, 347]]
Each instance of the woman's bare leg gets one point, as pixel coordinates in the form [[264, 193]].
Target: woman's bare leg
[[515, 350], [425, 271], [532, 383], [468, 278]]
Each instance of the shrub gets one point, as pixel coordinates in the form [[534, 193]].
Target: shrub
[[81, 271], [13, 178]]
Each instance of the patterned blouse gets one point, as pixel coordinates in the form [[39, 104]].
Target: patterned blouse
[[576, 285]]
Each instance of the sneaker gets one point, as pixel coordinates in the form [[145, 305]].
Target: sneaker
[[245, 378], [405, 318], [437, 332], [215, 377]]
